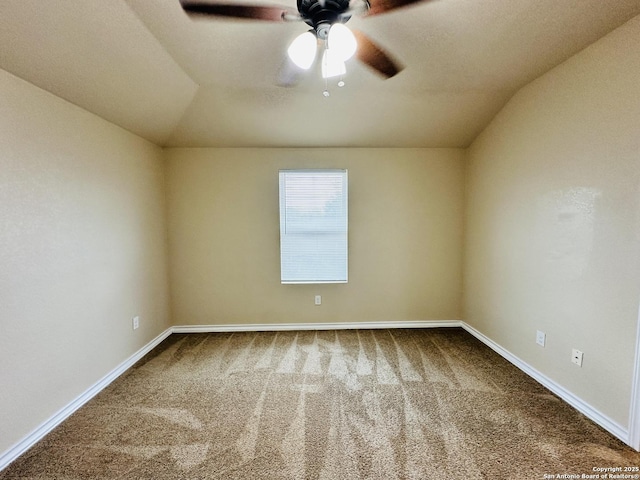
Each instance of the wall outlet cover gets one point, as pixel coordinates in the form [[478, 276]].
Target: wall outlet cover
[[576, 356]]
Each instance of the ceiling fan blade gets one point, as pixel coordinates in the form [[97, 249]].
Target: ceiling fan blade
[[373, 56], [269, 13], [376, 7]]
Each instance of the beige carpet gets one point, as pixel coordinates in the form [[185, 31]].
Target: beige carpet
[[382, 404]]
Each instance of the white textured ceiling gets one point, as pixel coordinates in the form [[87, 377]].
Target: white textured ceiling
[[146, 66]]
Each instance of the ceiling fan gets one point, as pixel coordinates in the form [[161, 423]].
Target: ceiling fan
[[327, 19]]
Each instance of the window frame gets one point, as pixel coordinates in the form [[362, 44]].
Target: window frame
[[317, 235]]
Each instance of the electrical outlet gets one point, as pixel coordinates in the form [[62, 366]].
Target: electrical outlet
[[541, 338], [576, 356], [136, 322], [318, 300]]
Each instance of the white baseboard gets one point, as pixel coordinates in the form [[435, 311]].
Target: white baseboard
[[278, 327], [634, 410], [587, 410], [30, 440], [590, 412], [605, 422]]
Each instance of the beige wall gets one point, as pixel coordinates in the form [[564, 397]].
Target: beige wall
[[552, 222], [82, 250], [405, 234]]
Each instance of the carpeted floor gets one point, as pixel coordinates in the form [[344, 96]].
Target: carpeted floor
[[369, 404]]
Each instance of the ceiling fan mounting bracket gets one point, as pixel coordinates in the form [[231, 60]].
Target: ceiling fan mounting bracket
[[321, 14]]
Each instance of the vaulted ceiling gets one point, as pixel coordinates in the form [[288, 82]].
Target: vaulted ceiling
[[148, 67]]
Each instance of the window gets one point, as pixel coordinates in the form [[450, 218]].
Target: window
[[313, 226]]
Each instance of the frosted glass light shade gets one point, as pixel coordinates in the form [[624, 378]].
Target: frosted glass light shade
[[302, 50], [342, 41], [332, 64]]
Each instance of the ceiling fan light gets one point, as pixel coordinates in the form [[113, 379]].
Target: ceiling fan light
[[342, 41], [302, 50], [332, 64]]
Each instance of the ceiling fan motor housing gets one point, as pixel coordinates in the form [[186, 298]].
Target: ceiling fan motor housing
[[321, 14]]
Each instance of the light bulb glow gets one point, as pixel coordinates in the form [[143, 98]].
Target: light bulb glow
[[302, 50], [332, 64], [342, 41]]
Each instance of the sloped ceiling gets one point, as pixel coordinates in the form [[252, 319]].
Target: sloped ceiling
[[146, 66]]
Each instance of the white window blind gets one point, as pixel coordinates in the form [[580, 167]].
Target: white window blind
[[313, 226]]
